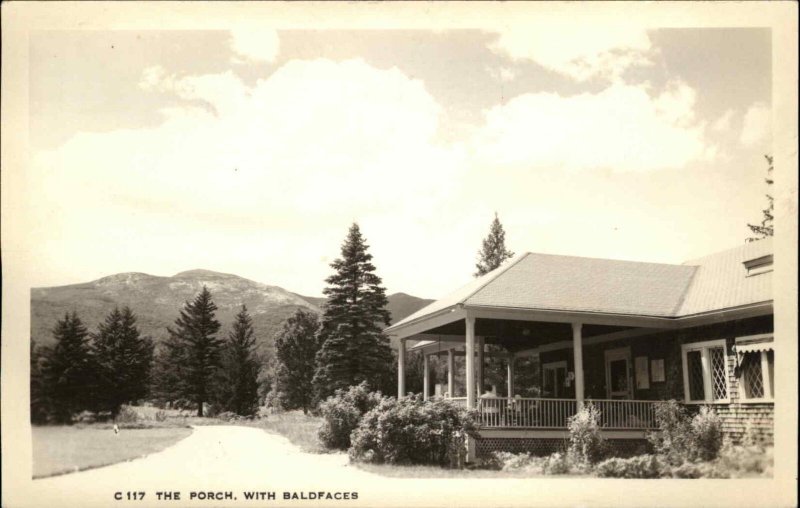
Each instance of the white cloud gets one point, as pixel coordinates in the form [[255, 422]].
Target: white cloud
[[622, 128], [257, 45], [580, 52], [723, 123], [756, 125]]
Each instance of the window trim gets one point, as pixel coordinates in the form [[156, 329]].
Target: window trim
[[766, 372], [708, 389]]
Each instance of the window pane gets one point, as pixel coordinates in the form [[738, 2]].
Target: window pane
[[752, 377], [719, 372], [694, 363], [771, 361]]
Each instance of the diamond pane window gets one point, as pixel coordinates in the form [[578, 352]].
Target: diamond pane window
[[719, 373], [771, 364], [752, 376], [694, 364]]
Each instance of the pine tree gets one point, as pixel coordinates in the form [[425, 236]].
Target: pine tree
[[68, 371], [296, 348], [40, 406], [193, 351], [766, 228], [354, 348], [238, 381], [124, 360], [494, 252]]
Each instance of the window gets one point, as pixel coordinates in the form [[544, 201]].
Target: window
[[705, 372], [757, 381]]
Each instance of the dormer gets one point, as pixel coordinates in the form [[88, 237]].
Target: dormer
[[759, 265]]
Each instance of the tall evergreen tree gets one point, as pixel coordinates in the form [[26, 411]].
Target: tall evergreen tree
[[493, 252], [68, 370], [40, 406], [766, 228], [238, 382], [194, 350], [296, 348], [354, 348], [124, 360]]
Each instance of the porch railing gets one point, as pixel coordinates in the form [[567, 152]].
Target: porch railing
[[537, 413]]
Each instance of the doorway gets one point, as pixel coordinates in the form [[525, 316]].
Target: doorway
[[554, 378], [618, 373]]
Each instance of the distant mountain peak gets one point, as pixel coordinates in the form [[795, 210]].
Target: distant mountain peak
[[201, 272]]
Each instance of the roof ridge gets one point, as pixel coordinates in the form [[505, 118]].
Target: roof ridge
[[500, 271]]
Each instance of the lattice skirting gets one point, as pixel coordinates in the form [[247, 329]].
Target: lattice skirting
[[545, 446]]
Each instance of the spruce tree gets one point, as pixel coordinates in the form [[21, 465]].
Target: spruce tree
[[68, 371], [124, 360], [354, 348], [238, 381], [766, 228], [493, 252], [40, 406], [296, 348], [194, 351]]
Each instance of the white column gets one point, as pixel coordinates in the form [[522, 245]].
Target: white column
[[577, 351], [511, 376], [401, 369], [426, 366], [481, 348], [469, 350], [451, 364]]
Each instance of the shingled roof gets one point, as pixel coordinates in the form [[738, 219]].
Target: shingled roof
[[577, 284]]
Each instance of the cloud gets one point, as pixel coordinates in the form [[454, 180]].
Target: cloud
[[756, 125], [581, 53], [256, 45], [621, 128], [723, 123]]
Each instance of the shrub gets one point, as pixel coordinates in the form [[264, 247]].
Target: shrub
[[507, 461], [706, 434], [557, 463], [161, 415], [413, 431], [586, 444], [641, 466], [742, 461], [673, 440], [127, 415], [342, 412]]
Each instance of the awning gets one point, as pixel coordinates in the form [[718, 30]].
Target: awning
[[754, 348], [752, 344]]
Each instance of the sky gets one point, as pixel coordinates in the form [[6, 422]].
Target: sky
[[252, 152]]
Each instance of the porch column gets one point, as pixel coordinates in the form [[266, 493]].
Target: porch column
[[451, 364], [577, 351], [510, 376], [469, 350], [481, 348], [401, 369], [425, 376]]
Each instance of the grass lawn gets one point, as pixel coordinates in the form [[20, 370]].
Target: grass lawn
[[298, 428], [65, 449]]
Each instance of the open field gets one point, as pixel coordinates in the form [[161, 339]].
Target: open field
[[65, 449]]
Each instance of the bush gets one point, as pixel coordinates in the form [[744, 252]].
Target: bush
[[586, 444], [413, 431], [706, 434], [742, 461], [641, 466], [507, 461], [342, 412], [161, 415], [557, 463], [127, 415], [673, 440]]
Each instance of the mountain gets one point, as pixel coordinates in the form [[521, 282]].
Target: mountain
[[158, 300]]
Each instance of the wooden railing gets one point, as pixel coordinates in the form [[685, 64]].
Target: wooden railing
[[625, 414], [530, 413]]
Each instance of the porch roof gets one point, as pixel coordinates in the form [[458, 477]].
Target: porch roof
[[542, 282]]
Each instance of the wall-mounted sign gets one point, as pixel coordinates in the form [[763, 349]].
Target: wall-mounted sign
[[657, 370], [642, 373]]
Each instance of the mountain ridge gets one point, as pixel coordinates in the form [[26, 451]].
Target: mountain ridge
[[157, 300]]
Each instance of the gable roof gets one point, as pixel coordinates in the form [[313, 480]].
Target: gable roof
[[578, 284]]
